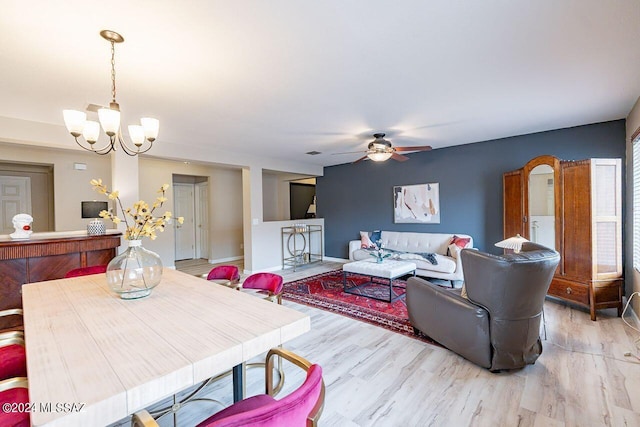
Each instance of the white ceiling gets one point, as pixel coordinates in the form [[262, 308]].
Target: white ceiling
[[279, 78]]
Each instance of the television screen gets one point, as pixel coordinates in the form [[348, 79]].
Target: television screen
[[93, 209]]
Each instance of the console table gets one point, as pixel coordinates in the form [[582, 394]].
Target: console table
[[301, 245], [47, 256]]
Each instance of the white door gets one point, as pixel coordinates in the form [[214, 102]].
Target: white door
[[185, 233], [202, 220], [15, 198]]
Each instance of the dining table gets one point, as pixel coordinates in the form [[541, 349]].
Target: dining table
[[94, 359]]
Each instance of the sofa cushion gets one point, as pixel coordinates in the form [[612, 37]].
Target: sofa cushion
[[454, 251], [445, 264], [416, 242], [411, 256]]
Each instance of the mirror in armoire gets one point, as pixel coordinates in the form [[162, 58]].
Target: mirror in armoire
[[541, 224], [541, 194]]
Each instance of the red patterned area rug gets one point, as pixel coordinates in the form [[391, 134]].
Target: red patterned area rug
[[325, 291]]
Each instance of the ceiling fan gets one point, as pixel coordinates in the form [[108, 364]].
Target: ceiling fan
[[381, 149]]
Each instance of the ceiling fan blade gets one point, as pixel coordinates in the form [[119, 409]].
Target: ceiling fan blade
[[399, 157], [361, 159], [417, 148]]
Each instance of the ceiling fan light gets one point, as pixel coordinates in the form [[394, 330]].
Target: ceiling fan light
[[74, 121], [379, 156], [110, 120], [91, 131], [151, 127], [136, 133]]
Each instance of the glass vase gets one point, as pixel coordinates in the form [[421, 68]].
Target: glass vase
[[135, 272]]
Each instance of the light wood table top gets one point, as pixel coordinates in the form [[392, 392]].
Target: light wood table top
[[87, 346]]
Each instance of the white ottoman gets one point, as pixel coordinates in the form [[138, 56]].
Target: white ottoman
[[387, 269]]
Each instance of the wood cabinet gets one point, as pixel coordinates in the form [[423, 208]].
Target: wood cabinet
[[586, 221], [47, 256]]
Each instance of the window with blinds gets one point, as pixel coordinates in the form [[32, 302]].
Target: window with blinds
[[636, 201]]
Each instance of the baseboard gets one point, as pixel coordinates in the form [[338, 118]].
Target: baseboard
[[229, 259], [333, 259], [263, 270]]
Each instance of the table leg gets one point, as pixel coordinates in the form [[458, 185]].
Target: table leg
[[344, 280], [238, 382]]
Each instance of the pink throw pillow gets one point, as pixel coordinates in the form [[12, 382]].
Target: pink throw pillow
[[365, 241], [460, 242]]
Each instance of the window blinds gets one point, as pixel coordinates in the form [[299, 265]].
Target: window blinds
[[636, 199]]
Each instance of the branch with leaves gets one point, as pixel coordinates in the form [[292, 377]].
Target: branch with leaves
[[143, 223]]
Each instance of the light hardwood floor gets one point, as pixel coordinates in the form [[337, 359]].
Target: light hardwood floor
[[378, 378]]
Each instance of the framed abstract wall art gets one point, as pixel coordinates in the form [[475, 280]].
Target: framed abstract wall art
[[417, 204]]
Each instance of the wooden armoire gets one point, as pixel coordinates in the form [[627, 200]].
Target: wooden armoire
[[574, 206]]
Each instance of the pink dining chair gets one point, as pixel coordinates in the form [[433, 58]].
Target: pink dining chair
[[227, 275], [14, 390], [272, 284], [302, 407], [13, 358], [267, 282], [85, 271]]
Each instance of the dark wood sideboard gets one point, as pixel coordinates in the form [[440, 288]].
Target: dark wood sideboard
[[47, 256]]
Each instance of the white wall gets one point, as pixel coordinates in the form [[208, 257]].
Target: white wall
[[270, 197], [70, 186], [225, 206], [267, 243]]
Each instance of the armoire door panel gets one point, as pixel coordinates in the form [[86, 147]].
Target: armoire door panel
[[576, 218], [513, 204]]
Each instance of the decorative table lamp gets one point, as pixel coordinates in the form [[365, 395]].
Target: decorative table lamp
[[514, 243], [311, 212], [92, 210]]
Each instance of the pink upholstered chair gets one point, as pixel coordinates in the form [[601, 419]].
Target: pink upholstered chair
[[268, 282], [14, 390], [227, 275], [302, 407], [85, 271], [13, 358], [273, 285]]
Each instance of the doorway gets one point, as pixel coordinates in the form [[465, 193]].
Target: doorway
[[26, 188], [191, 201]]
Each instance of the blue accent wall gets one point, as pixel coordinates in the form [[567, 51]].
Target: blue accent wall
[[355, 197]]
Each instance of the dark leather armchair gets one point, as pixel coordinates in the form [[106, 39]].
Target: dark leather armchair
[[498, 325]]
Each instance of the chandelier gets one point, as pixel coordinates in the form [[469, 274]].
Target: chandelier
[[78, 125]]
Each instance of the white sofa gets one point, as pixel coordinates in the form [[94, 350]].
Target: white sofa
[[405, 245]]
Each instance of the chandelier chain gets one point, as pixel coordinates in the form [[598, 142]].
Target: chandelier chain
[[113, 71]]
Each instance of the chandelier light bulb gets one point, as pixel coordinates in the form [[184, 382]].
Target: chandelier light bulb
[[91, 131], [151, 128], [74, 121], [136, 132], [110, 120]]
